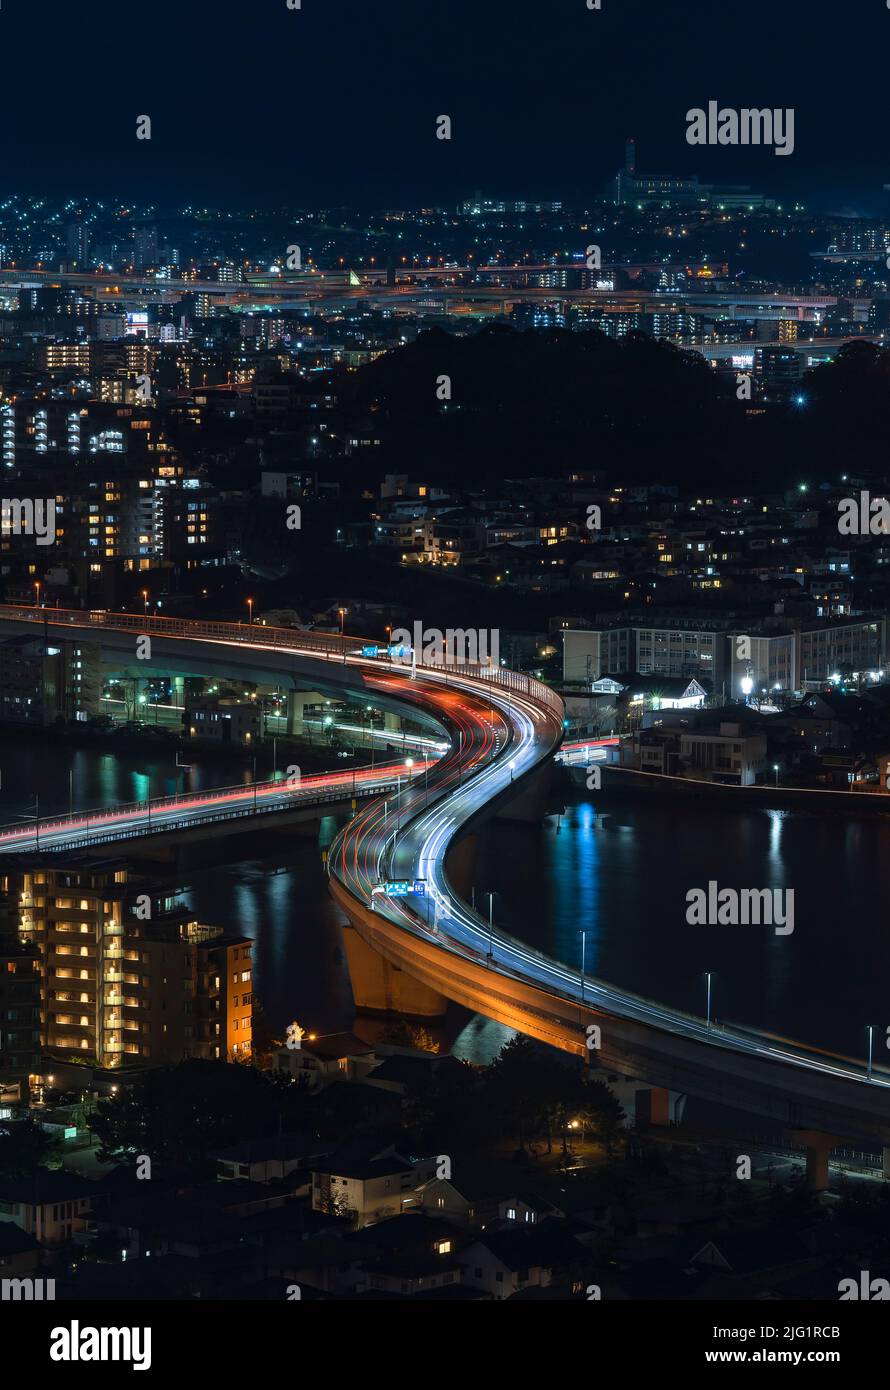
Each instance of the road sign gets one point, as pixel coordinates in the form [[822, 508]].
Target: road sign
[[401, 887]]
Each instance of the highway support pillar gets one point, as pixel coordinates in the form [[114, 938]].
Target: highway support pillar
[[818, 1147], [297, 700], [379, 987]]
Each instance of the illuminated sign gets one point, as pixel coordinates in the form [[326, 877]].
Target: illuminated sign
[[401, 887]]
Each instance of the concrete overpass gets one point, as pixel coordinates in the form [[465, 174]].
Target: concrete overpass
[[419, 950]]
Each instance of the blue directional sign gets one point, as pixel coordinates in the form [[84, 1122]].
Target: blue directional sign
[[399, 888], [370, 651], [420, 887]]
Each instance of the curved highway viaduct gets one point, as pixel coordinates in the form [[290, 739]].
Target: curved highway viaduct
[[505, 729]]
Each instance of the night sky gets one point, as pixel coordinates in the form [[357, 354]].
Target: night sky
[[336, 103]]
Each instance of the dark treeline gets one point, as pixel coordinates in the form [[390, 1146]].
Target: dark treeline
[[548, 402]]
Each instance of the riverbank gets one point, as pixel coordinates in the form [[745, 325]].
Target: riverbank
[[617, 782]]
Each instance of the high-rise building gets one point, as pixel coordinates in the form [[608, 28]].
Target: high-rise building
[[77, 242], [121, 980], [145, 247]]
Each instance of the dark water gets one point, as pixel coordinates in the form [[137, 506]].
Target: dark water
[[621, 875]]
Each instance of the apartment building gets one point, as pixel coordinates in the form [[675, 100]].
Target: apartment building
[[117, 987]]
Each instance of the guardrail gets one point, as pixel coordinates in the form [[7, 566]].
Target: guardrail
[[148, 624], [104, 837], [159, 804], [328, 644]]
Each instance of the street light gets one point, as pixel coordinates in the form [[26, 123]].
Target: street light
[[342, 612], [409, 763], [776, 771], [583, 936], [871, 1034], [490, 927], [145, 601], [708, 979], [250, 610]]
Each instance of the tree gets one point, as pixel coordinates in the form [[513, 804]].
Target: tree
[[513, 1086], [178, 1115], [401, 1033], [27, 1147]]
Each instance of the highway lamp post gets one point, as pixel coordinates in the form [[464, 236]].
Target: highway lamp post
[[708, 1013], [71, 791], [871, 1036], [254, 782], [490, 928], [250, 611], [776, 771], [145, 602], [274, 758], [583, 936]]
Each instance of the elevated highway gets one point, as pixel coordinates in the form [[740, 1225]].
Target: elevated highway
[[505, 729]]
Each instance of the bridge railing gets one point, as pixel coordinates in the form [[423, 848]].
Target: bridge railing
[[104, 837], [329, 644], [149, 624], [503, 678], [308, 789]]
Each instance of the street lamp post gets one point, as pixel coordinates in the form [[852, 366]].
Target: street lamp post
[[871, 1034], [145, 602], [490, 928], [583, 936], [250, 611], [708, 979], [776, 771]]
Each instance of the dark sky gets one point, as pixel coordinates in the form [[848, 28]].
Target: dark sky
[[336, 103]]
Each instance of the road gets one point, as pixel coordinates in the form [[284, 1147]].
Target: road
[[504, 726], [84, 829], [502, 738]]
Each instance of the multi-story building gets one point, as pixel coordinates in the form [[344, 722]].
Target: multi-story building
[[669, 651], [19, 1016], [730, 755], [43, 682], [119, 986], [786, 656]]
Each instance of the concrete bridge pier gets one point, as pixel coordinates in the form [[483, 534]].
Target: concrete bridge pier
[[297, 700], [460, 865], [818, 1147], [528, 803], [379, 987]]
